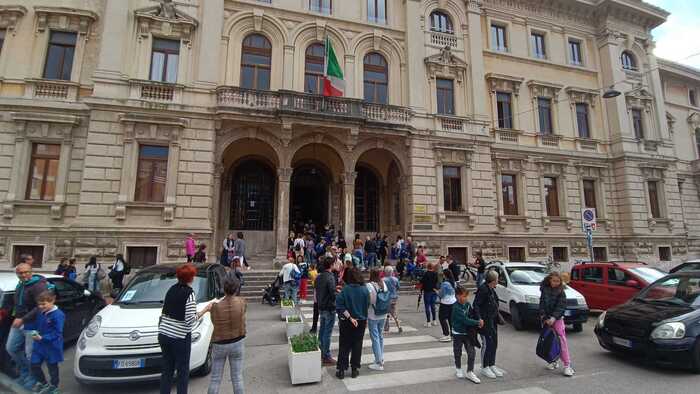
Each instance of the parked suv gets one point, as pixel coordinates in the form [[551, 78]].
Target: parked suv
[[121, 342], [607, 284], [518, 293]]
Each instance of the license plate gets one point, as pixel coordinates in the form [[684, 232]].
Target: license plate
[[129, 363], [622, 342], [568, 313]]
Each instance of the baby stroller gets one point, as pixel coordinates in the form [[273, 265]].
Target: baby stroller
[[271, 293]]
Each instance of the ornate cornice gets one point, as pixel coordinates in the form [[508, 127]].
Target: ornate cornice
[[166, 20], [64, 18], [10, 16]]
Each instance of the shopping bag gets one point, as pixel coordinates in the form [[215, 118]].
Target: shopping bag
[[548, 345]]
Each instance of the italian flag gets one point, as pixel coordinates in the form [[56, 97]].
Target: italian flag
[[333, 83]]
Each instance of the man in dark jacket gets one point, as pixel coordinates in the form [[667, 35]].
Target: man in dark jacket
[[486, 309], [19, 340], [325, 297]]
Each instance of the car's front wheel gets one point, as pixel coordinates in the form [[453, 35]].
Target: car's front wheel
[[205, 369], [696, 356], [515, 318]]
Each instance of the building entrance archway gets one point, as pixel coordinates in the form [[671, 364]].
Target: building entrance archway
[[309, 192]]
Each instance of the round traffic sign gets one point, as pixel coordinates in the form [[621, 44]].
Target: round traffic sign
[[588, 215]]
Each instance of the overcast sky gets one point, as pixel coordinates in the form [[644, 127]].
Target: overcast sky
[[679, 37]]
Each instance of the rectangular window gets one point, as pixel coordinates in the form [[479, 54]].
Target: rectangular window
[[560, 254], [618, 277], [589, 194], [516, 254], [164, 60], [445, 96], [59, 57], [691, 95], [505, 110], [397, 208], [600, 253], [665, 253], [551, 196], [637, 124], [584, 130], [697, 141], [321, 6], [452, 183], [654, 203], [152, 173], [43, 171], [575, 52], [593, 274], [544, 109], [509, 190], [498, 38], [376, 11], [538, 45], [36, 251], [141, 256], [2, 39]]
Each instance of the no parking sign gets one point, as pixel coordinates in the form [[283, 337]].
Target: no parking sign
[[588, 218]]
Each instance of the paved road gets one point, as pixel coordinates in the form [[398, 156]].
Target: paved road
[[417, 363]]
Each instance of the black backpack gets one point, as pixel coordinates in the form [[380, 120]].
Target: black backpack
[[127, 268]]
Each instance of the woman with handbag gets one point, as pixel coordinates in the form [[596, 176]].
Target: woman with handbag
[[486, 309], [552, 307], [229, 251]]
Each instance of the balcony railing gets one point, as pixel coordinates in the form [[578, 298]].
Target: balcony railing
[[450, 123], [311, 105], [549, 140], [155, 91], [443, 40], [47, 89]]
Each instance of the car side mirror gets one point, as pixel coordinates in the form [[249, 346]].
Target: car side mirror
[[633, 283]]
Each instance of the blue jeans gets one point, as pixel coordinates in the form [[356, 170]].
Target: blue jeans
[[429, 299], [377, 336], [290, 290], [235, 353], [371, 260], [327, 320], [359, 253], [19, 347]]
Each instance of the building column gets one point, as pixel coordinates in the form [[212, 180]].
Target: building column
[[284, 177], [114, 37], [656, 88], [216, 206], [476, 66], [209, 43], [349, 205]]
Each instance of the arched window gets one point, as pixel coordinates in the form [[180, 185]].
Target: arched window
[[366, 201], [440, 21], [313, 70], [376, 77], [252, 197], [256, 62], [628, 61]]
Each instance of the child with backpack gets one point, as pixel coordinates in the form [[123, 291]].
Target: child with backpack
[[48, 343], [379, 304], [464, 334]]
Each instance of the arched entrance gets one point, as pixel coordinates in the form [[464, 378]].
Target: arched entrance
[[366, 201], [252, 197], [309, 197]]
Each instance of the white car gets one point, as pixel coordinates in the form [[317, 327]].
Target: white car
[[518, 293], [121, 342]]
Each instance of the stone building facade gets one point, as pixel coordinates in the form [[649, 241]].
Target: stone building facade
[[469, 125]]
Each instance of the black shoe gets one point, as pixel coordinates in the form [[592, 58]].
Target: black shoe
[[355, 373], [312, 331], [340, 374]]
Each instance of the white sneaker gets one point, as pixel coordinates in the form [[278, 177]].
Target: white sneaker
[[568, 371], [472, 376], [553, 366], [445, 339], [497, 371], [486, 371], [435, 323], [376, 367], [426, 324], [460, 373]]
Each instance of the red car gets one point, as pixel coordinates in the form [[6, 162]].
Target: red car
[[607, 284]]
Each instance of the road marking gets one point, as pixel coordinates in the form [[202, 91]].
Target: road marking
[[404, 378], [392, 330], [527, 390], [411, 354], [394, 341]]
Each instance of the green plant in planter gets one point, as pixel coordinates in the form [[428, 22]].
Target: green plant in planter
[[287, 303], [303, 343], [294, 319]]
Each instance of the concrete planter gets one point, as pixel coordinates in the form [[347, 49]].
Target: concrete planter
[[304, 367], [295, 328], [287, 311]]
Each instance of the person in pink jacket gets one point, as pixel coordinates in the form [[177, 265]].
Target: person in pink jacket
[[190, 247]]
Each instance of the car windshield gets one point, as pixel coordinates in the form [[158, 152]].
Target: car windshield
[[683, 291], [150, 287], [526, 275], [649, 275]]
